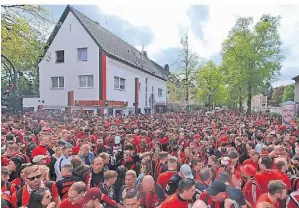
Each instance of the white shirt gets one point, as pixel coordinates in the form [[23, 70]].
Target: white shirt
[[61, 161]]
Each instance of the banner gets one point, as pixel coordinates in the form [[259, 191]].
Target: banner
[[288, 113]]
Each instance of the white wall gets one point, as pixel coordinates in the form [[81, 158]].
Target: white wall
[[116, 68], [31, 102], [69, 41]]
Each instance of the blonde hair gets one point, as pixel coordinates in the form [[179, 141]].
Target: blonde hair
[[45, 172], [110, 174], [132, 173], [31, 169]]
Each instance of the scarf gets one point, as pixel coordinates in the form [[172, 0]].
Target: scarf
[[148, 200]]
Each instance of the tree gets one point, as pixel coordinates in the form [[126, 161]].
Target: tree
[[24, 29], [208, 82], [276, 98], [252, 54], [288, 93], [187, 73]]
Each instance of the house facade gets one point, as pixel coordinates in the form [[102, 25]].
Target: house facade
[[296, 96], [259, 102], [87, 68]]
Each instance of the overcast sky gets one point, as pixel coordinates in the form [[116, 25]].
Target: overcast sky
[[159, 29]]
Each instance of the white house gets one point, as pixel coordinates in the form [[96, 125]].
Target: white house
[[296, 96], [86, 67]]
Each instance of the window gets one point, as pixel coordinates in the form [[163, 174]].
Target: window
[[119, 83], [160, 92], [86, 81], [139, 86], [82, 54], [152, 89], [57, 82], [59, 56]]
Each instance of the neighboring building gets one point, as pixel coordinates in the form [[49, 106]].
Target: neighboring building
[[296, 97], [259, 103], [88, 68]]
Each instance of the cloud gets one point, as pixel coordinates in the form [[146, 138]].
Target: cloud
[[168, 56], [197, 15], [160, 28]]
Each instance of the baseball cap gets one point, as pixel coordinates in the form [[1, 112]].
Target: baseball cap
[[38, 158], [216, 188], [249, 170], [296, 157], [91, 194], [186, 171]]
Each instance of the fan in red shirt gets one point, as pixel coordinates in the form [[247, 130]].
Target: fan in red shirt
[[266, 174], [75, 194], [276, 192], [251, 189], [172, 170], [253, 160], [293, 200], [186, 191], [282, 167], [42, 149], [33, 179]]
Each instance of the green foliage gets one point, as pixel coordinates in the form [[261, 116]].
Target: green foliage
[[209, 82], [252, 56], [288, 93], [276, 99], [24, 29]]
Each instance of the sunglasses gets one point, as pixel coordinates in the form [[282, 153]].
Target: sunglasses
[[35, 177]]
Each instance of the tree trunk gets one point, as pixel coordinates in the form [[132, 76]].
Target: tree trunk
[[209, 102], [249, 98], [240, 105]]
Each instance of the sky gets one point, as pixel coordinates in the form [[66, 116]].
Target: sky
[[159, 28]]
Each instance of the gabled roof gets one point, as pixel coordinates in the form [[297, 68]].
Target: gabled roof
[[112, 45], [163, 70], [296, 78]]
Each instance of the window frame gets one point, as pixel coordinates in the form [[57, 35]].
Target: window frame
[[86, 77], [118, 87], [56, 60], [78, 57], [58, 82], [160, 92]]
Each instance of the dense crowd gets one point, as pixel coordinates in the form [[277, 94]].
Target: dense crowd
[[178, 160]]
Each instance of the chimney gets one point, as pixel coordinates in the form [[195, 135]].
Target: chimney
[[144, 53], [166, 67]]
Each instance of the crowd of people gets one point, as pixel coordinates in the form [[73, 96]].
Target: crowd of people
[[178, 160]]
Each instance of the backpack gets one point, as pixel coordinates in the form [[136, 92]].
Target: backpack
[[19, 193]]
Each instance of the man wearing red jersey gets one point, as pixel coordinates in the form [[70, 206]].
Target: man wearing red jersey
[[74, 195], [42, 148], [186, 191], [172, 169], [276, 191], [251, 189], [253, 160], [266, 174]]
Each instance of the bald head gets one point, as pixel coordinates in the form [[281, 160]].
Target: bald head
[[199, 204], [148, 183], [148, 179]]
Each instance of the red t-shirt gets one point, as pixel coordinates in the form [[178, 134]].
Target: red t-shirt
[[174, 201], [66, 203], [251, 162], [264, 177], [264, 198], [164, 178], [285, 179], [26, 195]]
